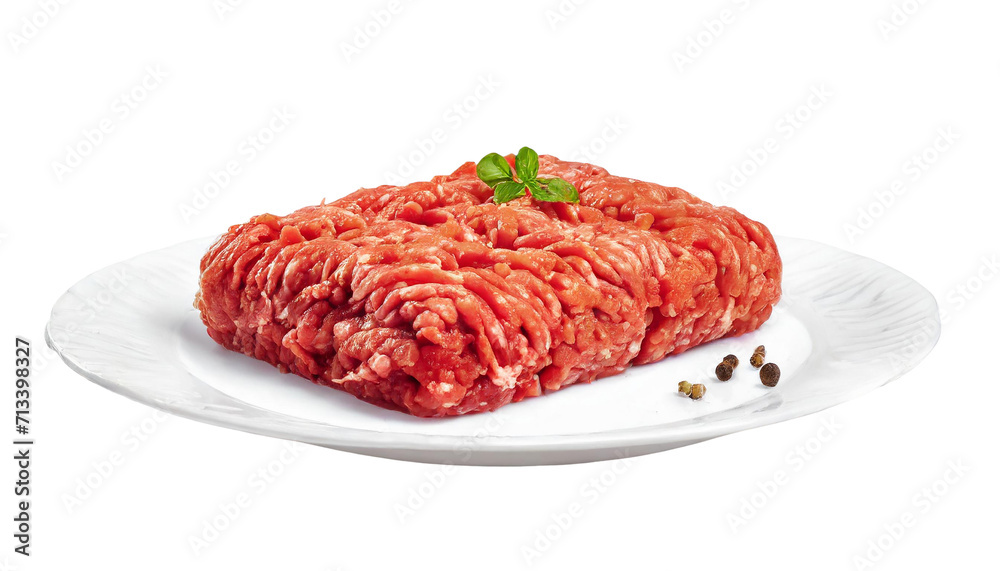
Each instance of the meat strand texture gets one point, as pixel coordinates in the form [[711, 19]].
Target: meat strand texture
[[432, 300]]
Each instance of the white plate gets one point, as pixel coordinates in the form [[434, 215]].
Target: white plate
[[845, 325]]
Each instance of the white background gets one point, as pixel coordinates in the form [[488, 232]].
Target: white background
[[561, 81]]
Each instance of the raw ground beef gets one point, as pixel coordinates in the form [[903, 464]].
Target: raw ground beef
[[432, 300]]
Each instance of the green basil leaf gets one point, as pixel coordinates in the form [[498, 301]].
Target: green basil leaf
[[493, 170], [534, 187], [556, 190], [526, 164], [507, 191], [542, 192]]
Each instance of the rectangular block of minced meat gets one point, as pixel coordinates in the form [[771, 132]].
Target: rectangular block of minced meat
[[432, 300]]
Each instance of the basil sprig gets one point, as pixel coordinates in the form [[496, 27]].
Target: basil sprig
[[508, 185]]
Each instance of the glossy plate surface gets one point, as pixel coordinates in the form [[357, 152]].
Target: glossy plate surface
[[845, 325]]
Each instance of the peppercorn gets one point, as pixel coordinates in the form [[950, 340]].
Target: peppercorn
[[698, 391], [724, 371], [770, 374], [757, 360], [731, 360], [684, 388]]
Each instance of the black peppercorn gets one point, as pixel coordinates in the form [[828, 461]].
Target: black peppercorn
[[770, 374], [724, 371]]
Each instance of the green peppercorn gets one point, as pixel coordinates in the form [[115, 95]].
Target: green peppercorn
[[724, 371], [770, 374], [757, 360], [731, 360], [684, 388], [698, 391]]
